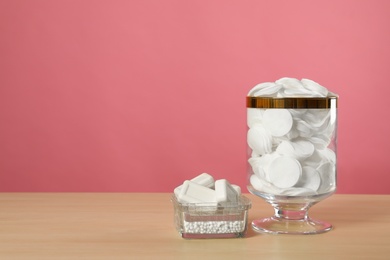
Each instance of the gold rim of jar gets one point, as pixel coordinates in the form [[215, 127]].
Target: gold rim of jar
[[298, 102]]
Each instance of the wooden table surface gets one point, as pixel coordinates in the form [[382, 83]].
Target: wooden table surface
[[140, 226]]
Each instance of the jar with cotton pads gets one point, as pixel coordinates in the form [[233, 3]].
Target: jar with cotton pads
[[292, 141]]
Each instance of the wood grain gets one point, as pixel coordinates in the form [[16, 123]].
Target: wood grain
[[140, 226]]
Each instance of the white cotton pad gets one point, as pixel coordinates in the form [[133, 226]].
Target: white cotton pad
[[284, 172], [314, 87], [292, 87], [278, 122], [259, 87], [303, 149], [303, 128], [192, 192], [310, 178], [268, 89], [254, 161], [262, 185], [286, 148], [299, 149], [224, 192], [329, 155], [315, 159], [259, 140], [266, 161], [327, 175], [297, 113], [318, 119], [298, 192], [256, 182], [257, 166], [297, 92], [260, 165], [319, 142], [254, 116], [287, 83], [203, 179]]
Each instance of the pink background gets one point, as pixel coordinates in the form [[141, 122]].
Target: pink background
[[141, 95]]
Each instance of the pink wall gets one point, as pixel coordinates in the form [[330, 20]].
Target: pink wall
[[140, 95]]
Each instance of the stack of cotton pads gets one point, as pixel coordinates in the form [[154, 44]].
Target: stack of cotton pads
[[289, 87], [291, 148], [203, 189]]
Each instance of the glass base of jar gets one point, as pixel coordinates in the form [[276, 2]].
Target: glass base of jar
[[291, 214], [276, 225]]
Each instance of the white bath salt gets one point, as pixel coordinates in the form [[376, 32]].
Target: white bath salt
[[214, 227], [259, 140], [284, 172], [278, 122]]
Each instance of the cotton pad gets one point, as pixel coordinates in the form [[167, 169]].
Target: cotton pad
[[278, 122], [259, 140], [265, 89], [284, 172], [326, 171], [310, 179]]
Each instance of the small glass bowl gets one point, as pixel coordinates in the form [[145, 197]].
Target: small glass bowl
[[211, 220]]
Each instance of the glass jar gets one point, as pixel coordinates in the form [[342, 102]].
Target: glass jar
[[292, 147]]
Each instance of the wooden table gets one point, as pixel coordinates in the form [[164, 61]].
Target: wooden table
[[140, 226]]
